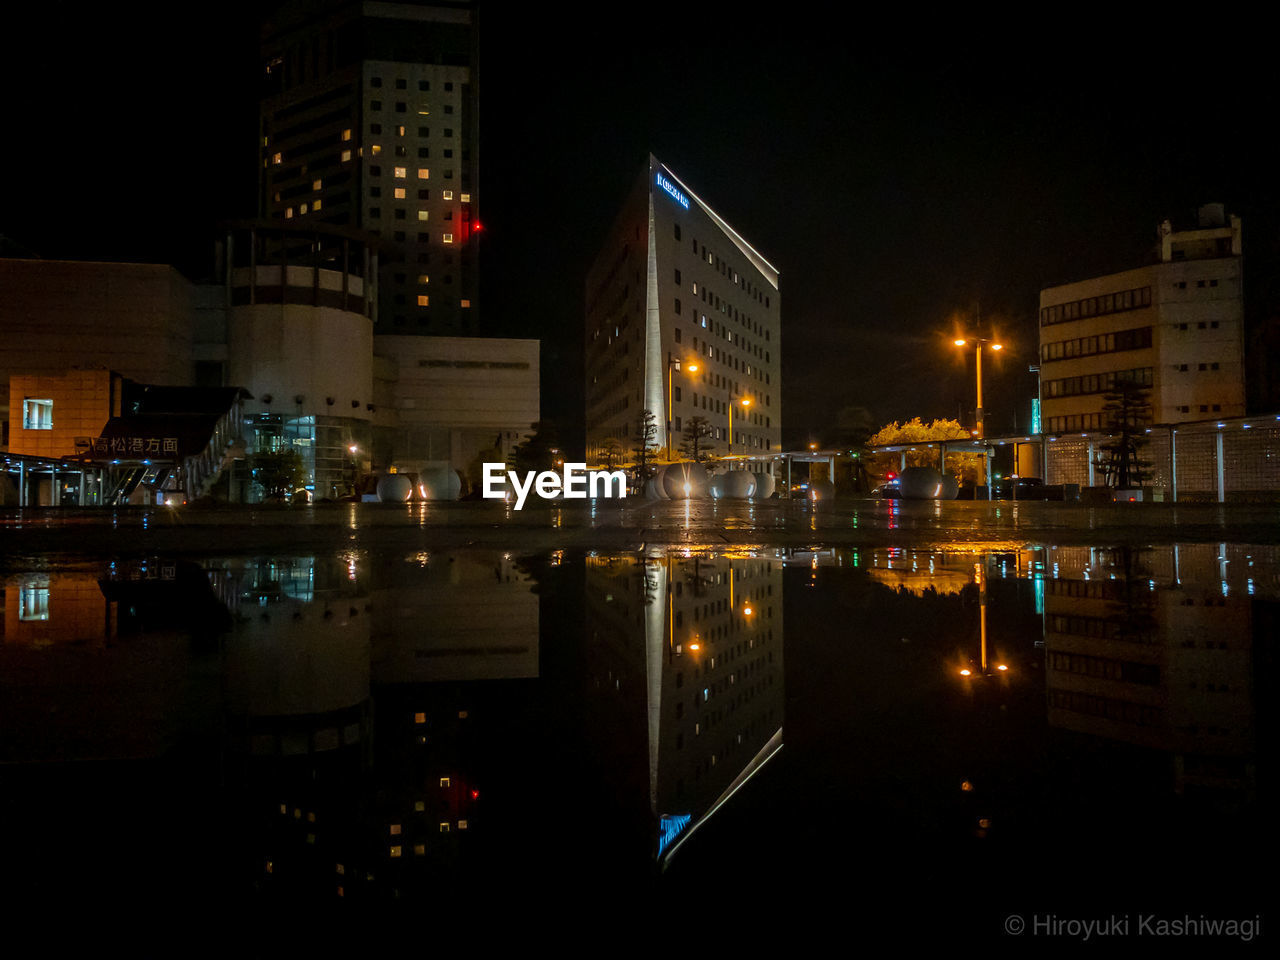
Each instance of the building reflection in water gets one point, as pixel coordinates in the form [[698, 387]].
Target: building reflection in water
[[691, 641], [351, 687], [1155, 647]]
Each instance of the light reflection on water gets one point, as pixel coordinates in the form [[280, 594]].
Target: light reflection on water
[[380, 727]]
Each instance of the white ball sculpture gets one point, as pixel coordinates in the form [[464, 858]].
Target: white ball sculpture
[[920, 483], [685, 481], [739, 484], [394, 488], [715, 487], [764, 485]]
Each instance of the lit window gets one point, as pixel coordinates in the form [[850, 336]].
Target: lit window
[[423, 278], [341, 870], [395, 851], [419, 849], [316, 205], [423, 173], [422, 215], [465, 198], [447, 238], [400, 172], [419, 806], [375, 149], [419, 718], [288, 213], [400, 131], [423, 300], [399, 193], [346, 156], [315, 184], [395, 829], [302, 208], [33, 599], [448, 194], [444, 828], [462, 824], [346, 134], [464, 304], [276, 158], [444, 781], [37, 414]]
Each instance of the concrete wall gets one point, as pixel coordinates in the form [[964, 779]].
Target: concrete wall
[[454, 396], [81, 408], [290, 350], [134, 318]]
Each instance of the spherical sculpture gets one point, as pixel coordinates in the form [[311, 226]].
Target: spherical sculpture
[[920, 483], [739, 484], [764, 485], [685, 481], [394, 488], [654, 489], [715, 486], [441, 483], [950, 487], [821, 491]]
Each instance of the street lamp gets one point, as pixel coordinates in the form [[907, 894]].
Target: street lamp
[[673, 363], [980, 433], [746, 402]]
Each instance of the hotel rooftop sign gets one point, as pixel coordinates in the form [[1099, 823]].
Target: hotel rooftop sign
[[673, 190]]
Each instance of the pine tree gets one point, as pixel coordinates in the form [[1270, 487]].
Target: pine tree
[[696, 445], [644, 448], [1126, 413]]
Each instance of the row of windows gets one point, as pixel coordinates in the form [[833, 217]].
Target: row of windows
[[1097, 382], [1074, 423], [376, 128], [1136, 339], [742, 282], [1104, 668], [401, 84], [1121, 711], [1096, 306], [401, 107]]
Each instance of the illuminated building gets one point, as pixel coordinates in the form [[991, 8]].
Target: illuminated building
[[368, 119], [675, 287], [1174, 327]]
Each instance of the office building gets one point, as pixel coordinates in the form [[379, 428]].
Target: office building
[[368, 118], [682, 320], [1174, 327]]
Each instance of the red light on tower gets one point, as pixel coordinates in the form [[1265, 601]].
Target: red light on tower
[[475, 227]]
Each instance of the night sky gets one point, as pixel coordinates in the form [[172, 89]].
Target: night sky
[[900, 176]]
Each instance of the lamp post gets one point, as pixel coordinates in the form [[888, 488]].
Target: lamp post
[[746, 402], [673, 363], [978, 342]]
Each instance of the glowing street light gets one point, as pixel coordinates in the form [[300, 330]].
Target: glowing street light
[[980, 433], [673, 363]]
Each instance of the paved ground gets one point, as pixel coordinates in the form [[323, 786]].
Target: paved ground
[[46, 534]]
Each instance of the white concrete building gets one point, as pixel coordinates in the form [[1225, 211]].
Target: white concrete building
[[1175, 327], [676, 288]]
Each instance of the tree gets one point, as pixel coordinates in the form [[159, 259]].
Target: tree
[[644, 444], [696, 444], [611, 452], [963, 466], [1126, 414], [538, 451], [278, 473]]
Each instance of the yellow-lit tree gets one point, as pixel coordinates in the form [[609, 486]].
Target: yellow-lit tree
[[963, 466]]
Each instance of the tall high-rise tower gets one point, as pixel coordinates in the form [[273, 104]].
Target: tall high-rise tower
[[368, 117]]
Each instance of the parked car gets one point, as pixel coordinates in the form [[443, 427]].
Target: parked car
[[887, 491]]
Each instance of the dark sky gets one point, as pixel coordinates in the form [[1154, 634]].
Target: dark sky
[[898, 174]]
